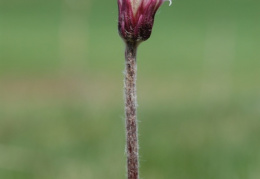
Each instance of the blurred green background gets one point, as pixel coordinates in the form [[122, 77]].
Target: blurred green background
[[61, 91]]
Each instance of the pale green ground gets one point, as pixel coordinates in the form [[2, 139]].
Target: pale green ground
[[61, 91]]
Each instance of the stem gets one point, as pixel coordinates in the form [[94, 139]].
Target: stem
[[130, 111]]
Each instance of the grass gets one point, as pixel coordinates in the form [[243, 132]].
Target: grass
[[61, 116]]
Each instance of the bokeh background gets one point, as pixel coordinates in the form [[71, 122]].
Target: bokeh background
[[61, 91]]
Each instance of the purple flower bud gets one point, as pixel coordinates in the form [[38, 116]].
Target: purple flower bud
[[136, 17]]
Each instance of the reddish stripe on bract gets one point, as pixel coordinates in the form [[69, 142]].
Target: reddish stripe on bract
[[137, 26]]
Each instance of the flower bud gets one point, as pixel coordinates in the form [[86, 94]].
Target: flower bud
[[136, 17]]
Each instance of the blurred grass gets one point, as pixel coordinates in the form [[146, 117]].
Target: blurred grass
[[61, 106]]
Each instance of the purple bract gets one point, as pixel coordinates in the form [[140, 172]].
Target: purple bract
[[136, 18]]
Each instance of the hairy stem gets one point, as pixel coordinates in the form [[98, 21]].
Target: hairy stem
[[130, 111]]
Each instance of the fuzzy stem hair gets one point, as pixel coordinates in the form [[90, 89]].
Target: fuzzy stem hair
[[130, 111]]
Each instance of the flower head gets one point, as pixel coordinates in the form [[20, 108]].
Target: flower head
[[136, 18]]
